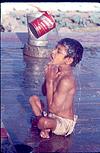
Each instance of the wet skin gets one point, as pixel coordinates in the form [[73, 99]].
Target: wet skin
[[60, 90]]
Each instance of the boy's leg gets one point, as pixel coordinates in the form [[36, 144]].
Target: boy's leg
[[36, 105], [46, 124]]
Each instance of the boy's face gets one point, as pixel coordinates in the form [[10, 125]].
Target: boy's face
[[58, 54]]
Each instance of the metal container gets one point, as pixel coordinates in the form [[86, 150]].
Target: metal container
[[32, 40], [42, 24]]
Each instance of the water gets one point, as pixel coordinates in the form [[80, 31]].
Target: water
[[22, 76]]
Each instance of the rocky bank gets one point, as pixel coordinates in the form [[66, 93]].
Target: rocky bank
[[16, 21]]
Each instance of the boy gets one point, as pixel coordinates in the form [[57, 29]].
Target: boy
[[60, 88]]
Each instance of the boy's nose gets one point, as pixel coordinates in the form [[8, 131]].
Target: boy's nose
[[54, 51]]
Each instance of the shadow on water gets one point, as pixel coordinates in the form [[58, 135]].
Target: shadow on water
[[22, 148]]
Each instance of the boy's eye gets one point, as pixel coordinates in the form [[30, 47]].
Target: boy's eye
[[58, 50]]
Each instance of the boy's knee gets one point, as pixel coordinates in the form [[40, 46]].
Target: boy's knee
[[33, 98], [43, 123]]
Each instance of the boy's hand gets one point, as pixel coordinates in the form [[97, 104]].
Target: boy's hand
[[51, 72]]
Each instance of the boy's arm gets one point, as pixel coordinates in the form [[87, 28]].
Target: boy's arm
[[44, 90], [51, 74], [49, 87]]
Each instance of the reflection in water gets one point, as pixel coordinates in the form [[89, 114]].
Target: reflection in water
[[56, 143], [59, 144]]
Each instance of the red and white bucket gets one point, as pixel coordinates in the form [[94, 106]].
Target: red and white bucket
[[42, 24]]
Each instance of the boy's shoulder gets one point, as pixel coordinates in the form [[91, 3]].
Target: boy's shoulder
[[68, 81]]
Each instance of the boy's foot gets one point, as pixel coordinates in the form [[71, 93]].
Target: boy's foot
[[45, 133]]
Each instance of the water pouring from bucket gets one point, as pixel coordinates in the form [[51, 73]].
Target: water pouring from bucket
[[42, 24]]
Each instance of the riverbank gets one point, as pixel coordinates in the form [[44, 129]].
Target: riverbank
[[16, 20]]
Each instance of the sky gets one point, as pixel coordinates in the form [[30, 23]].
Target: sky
[[64, 6]]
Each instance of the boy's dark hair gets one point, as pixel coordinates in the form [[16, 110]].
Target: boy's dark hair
[[75, 49]]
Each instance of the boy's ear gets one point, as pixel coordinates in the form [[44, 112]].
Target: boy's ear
[[69, 60]]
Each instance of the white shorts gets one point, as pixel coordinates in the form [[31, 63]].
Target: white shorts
[[64, 126]]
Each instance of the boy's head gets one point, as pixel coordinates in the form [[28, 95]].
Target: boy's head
[[69, 49]]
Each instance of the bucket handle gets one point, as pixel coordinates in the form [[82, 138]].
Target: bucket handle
[[38, 8], [41, 10]]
